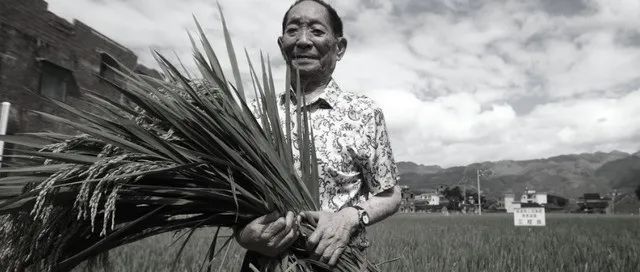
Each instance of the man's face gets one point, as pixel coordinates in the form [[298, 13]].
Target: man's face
[[309, 43]]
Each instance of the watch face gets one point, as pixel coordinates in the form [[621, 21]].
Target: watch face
[[365, 219]]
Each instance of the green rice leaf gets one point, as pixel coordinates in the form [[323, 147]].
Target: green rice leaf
[[21, 180], [29, 141], [62, 157], [232, 55], [212, 250], [52, 168]]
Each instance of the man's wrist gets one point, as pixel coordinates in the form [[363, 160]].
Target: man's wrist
[[354, 216], [240, 235]]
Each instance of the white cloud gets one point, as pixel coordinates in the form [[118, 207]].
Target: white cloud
[[455, 129], [459, 80], [428, 126]]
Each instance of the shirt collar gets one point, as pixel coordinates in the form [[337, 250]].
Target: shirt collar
[[326, 96]]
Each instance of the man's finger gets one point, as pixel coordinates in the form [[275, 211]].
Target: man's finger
[[273, 228], [314, 238], [324, 243], [336, 256], [276, 238], [315, 215], [268, 218], [288, 222], [288, 239], [327, 253]]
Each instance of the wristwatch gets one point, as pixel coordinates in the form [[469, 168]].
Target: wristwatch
[[363, 216]]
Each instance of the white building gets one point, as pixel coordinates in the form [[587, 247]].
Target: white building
[[508, 202], [430, 198], [434, 199], [541, 198], [531, 196]]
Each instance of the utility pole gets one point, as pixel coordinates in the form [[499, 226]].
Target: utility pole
[[613, 201], [464, 196], [479, 198], [4, 119]]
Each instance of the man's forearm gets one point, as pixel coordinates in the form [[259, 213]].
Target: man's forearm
[[383, 204]]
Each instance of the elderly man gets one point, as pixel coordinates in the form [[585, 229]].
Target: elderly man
[[356, 168]]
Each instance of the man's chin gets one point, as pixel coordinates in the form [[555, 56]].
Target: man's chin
[[305, 69]]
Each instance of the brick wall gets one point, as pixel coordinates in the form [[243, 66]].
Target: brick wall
[[31, 38]]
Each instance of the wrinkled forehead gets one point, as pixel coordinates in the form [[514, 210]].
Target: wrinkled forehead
[[308, 12]]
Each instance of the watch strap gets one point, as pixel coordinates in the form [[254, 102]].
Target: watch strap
[[361, 213]]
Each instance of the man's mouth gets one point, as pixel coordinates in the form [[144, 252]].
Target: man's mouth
[[305, 58]]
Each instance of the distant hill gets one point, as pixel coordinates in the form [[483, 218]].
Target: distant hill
[[622, 173], [627, 203], [410, 167], [565, 175]]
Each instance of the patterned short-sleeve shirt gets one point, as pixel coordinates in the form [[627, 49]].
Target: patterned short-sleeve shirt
[[352, 146]]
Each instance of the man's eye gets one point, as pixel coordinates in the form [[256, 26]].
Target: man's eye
[[317, 32], [291, 30]]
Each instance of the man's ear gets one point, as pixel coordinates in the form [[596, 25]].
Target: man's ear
[[282, 49], [342, 47]]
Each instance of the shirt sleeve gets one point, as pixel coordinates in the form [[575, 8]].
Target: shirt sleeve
[[382, 171]]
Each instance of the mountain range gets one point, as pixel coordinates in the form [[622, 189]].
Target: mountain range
[[568, 176]]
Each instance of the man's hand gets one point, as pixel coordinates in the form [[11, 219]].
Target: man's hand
[[332, 234], [270, 234]]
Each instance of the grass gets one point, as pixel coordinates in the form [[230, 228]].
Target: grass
[[492, 243], [446, 243]]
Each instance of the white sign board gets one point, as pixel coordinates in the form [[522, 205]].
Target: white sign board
[[529, 217]]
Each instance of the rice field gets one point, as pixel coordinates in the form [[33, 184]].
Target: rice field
[[421, 242]]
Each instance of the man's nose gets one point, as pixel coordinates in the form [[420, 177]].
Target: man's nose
[[304, 40]]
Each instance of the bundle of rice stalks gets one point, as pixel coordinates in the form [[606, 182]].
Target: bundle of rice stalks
[[184, 154]]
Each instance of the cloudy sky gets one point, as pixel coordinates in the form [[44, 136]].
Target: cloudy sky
[[459, 81]]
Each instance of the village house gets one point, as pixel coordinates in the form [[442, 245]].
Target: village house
[[593, 203], [509, 202], [431, 201], [532, 198]]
